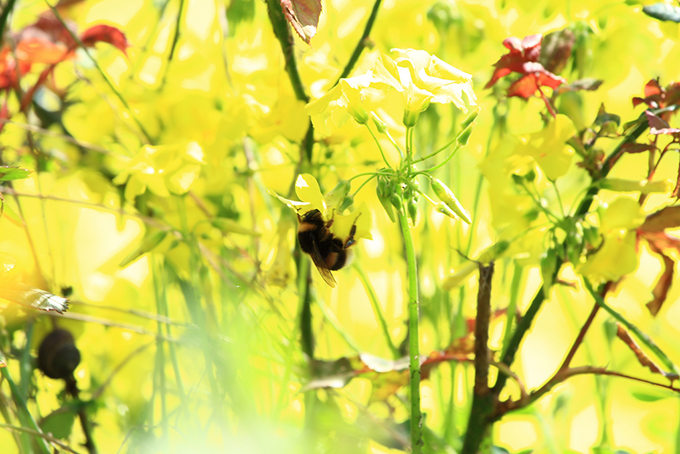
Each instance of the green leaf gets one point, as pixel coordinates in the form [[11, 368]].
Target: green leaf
[[13, 173], [229, 226], [548, 267], [150, 241], [642, 337], [59, 423], [662, 12], [651, 395]]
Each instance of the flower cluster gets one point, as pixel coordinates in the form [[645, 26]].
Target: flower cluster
[[421, 78]]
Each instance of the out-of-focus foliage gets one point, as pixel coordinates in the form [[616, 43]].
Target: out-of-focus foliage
[[142, 143]]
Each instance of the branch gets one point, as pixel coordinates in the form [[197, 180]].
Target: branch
[[563, 375], [482, 399]]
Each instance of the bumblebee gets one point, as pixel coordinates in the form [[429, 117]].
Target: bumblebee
[[328, 252]]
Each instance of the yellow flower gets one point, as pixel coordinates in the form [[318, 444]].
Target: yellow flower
[[423, 78], [617, 255], [547, 147], [347, 97], [162, 169]]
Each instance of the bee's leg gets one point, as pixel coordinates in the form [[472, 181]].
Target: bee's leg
[[350, 239]]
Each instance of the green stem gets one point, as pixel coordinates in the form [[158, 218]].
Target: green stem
[[285, 37], [25, 416], [649, 343], [4, 17], [377, 309], [377, 142], [414, 344], [363, 41]]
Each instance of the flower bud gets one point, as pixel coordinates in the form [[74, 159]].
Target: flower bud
[[338, 193], [384, 190], [464, 136], [380, 125], [470, 118], [447, 196], [443, 208], [412, 208]]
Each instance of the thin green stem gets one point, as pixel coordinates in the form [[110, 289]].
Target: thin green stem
[[443, 163], [435, 153], [335, 323], [285, 37], [377, 142], [4, 17], [24, 414], [363, 42], [396, 145], [377, 309], [414, 343], [642, 337]]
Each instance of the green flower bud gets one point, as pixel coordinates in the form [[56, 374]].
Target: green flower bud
[[347, 202], [395, 200], [464, 136], [443, 208], [380, 125], [447, 196], [338, 193], [384, 192], [412, 207], [470, 118]]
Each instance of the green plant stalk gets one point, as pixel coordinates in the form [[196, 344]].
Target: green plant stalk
[[285, 37], [377, 309], [25, 416], [160, 353], [642, 337], [363, 42], [4, 17], [414, 341]]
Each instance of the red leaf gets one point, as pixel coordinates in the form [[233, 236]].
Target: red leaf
[[658, 125], [521, 52], [661, 288], [303, 16], [637, 147], [641, 356], [653, 88], [106, 34], [666, 218], [8, 69], [39, 50]]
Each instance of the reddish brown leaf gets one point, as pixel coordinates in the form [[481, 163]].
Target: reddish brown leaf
[[658, 125], [106, 34], [637, 147], [556, 50], [665, 218], [662, 286], [303, 16], [676, 191], [641, 356]]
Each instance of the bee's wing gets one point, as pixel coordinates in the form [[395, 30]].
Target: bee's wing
[[321, 265]]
